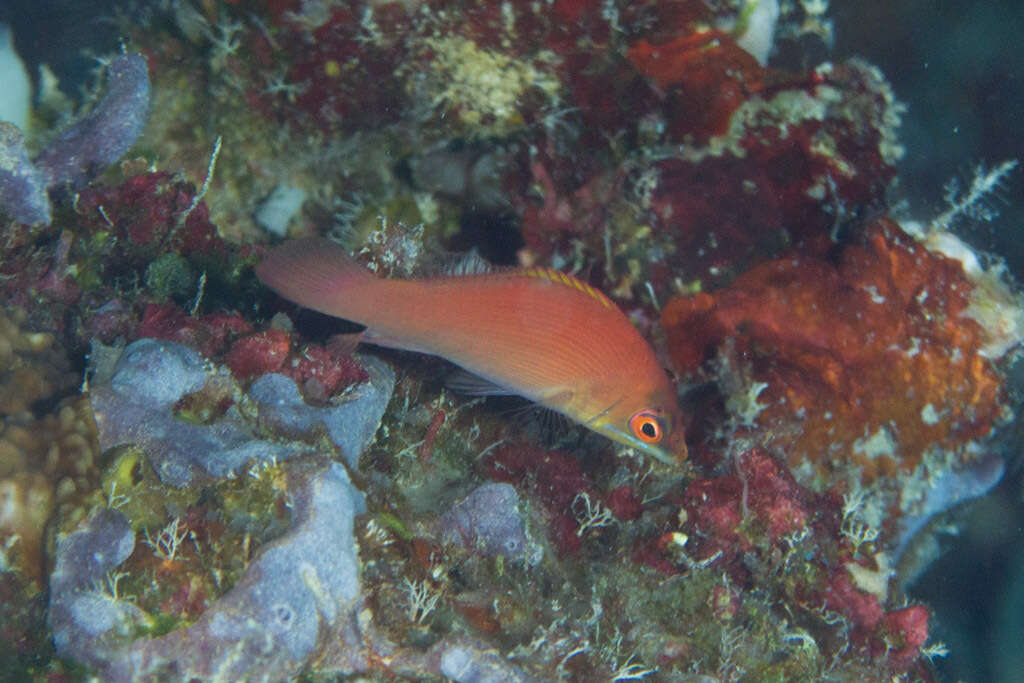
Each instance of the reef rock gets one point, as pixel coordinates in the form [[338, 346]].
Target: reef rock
[[295, 601], [488, 521], [137, 405]]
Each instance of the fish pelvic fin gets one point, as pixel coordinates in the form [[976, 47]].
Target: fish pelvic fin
[[467, 383]]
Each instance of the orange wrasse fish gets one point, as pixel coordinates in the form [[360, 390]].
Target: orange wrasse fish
[[534, 332]]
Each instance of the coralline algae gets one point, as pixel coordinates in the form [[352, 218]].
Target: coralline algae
[[297, 597], [488, 521], [136, 406], [283, 409], [105, 134], [22, 185], [89, 145], [87, 619]]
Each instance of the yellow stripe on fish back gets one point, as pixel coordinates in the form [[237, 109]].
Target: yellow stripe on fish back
[[558, 277]]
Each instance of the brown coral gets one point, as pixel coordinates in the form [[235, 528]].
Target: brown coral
[[43, 463], [26, 502], [32, 366]]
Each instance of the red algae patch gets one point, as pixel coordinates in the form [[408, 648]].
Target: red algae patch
[[871, 357]]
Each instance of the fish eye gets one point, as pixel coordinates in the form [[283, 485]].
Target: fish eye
[[647, 426]]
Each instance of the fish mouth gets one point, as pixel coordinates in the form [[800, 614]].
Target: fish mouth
[[627, 439]]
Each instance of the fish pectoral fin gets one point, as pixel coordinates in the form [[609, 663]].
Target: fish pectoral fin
[[372, 337], [346, 343], [466, 382], [556, 398]]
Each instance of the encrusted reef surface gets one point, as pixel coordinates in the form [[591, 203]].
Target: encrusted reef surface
[[86, 147], [200, 481], [295, 599], [136, 406]]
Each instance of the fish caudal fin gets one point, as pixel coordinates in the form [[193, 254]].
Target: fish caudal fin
[[314, 273]]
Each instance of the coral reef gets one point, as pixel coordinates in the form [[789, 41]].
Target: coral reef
[[231, 490], [290, 607], [761, 512], [781, 169], [867, 372], [875, 354], [151, 395]]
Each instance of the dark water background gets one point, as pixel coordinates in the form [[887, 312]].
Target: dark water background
[[959, 66]]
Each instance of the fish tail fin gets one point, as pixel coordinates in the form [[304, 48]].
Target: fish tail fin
[[314, 273]]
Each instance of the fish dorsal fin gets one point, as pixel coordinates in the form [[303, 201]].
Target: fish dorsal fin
[[472, 263], [560, 278], [469, 263]]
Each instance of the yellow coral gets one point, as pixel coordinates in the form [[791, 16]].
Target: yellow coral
[[485, 87]]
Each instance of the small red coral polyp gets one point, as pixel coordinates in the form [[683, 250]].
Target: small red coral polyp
[[322, 371], [875, 349], [258, 353], [906, 633], [763, 487], [209, 334]]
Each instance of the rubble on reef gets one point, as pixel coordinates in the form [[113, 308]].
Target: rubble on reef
[[198, 480]]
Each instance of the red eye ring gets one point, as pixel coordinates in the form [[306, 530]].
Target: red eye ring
[[646, 426]]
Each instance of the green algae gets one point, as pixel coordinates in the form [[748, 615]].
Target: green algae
[[170, 277]]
